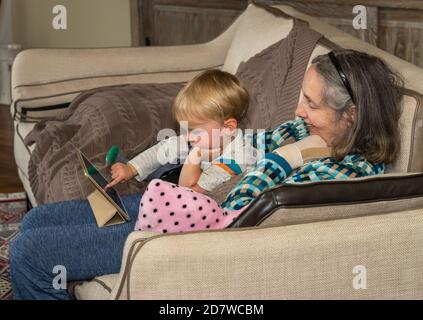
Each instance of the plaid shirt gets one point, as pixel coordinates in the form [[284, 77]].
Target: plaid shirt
[[273, 170]]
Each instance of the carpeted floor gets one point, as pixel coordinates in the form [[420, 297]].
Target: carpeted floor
[[13, 207]]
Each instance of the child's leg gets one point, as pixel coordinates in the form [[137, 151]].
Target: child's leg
[[77, 252], [166, 207], [65, 234]]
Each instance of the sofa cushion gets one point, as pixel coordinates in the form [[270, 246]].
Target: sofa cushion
[[274, 76], [410, 158], [271, 24], [336, 199], [251, 38]]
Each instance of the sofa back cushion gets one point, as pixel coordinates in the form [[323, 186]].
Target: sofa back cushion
[[410, 158], [258, 29]]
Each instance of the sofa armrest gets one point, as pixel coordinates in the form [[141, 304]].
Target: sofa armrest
[[132, 244], [36, 67], [308, 261], [334, 199], [46, 77], [53, 77]]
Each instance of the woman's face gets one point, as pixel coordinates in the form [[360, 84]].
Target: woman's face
[[319, 117]]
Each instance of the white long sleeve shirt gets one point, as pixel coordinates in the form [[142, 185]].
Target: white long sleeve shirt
[[164, 152], [238, 157]]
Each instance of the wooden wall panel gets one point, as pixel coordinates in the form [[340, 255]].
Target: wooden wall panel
[[187, 25], [339, 15], [394, 26], [401, 33], [172, 22]]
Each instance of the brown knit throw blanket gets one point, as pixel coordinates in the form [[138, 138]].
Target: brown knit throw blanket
[[128, 116], [131, 115]]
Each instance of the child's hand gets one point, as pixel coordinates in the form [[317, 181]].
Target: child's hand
[[121, 172], [194, 157], [210, 154], [191, 169]]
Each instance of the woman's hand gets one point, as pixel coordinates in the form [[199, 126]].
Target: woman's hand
[[313, 141], [311, 147], [121, 172]]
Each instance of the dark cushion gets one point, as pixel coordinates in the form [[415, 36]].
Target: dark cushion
[[330, 193]]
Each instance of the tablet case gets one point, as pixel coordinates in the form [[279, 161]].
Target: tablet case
[[104, 212]]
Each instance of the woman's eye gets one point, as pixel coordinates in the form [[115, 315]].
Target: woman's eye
[[306, 100], [311, 104], [308, 104]]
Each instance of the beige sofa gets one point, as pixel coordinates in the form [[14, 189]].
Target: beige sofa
[[363, 240]]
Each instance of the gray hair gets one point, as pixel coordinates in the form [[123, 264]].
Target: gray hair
[[334, 92], [378, 92]]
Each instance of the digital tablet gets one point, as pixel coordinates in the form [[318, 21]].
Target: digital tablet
[[100, 182]]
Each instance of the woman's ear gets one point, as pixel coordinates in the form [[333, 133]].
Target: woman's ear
[[230, 124], [352, 113]]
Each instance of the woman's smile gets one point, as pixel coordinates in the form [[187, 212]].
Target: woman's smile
[[310, 128]]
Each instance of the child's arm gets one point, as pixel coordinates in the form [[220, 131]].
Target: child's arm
[[166, 151], [191, 171]]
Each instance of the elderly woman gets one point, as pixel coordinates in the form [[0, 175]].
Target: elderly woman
[[351, 107], [352, 101]]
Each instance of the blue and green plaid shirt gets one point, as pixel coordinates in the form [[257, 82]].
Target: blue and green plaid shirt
[[273, 170]]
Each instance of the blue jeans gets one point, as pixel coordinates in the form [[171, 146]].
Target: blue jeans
[[65, 234]]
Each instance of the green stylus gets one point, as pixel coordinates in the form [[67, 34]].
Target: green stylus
[[112, 155]]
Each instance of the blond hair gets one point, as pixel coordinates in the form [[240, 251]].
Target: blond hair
[[211, 95]]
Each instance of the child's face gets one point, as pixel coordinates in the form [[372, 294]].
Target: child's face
[[205, 135], [210, 134]]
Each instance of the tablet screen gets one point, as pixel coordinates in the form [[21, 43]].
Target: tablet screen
[[92, 171]]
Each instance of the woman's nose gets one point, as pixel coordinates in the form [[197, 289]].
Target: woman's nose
[[300, 111]]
